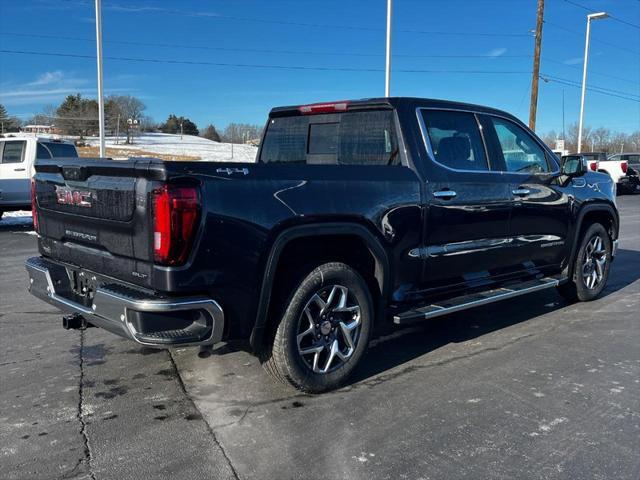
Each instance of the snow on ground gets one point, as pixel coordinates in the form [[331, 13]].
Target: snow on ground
[[167, 144], [19, 218]]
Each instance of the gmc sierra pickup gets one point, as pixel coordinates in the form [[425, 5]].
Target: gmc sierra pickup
[[354, 213]]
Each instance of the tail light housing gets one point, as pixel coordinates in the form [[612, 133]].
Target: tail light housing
[[593, 166], [624, 166], [34, 209], [176, 213]]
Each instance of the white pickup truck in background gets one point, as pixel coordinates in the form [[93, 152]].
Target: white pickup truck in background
[[615, 167], [17, 155]]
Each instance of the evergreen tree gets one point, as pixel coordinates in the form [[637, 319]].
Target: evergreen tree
[[211, 133]]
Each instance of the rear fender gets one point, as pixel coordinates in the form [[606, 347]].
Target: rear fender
[[382, 266]]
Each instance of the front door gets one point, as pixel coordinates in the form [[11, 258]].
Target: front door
[[540, 217], [466, 226]]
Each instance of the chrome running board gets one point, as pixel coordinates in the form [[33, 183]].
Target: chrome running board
[[471, 300]]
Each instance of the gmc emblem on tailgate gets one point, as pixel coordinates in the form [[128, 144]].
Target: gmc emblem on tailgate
[[67, 196]]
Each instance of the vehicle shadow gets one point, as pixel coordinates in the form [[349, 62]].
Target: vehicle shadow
[[402, 345]]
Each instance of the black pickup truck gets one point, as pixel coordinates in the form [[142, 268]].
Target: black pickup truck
[[354, 213]]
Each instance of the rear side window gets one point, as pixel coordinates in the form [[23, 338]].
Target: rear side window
[[455, 139], [61, 149], [520, 151], [13, 152], [352, 138]]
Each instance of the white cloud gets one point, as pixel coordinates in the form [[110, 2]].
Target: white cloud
[[497, 52], [573, 61], [50, 87]]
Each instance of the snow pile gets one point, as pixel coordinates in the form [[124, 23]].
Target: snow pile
[[189, 145]]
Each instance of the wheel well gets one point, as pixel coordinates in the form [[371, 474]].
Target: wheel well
[[300, 255], [598, 216]]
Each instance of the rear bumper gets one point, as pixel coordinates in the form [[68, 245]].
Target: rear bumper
[[129, 312]]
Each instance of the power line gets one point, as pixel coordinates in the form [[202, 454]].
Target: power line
[[252, 50], [591, 72], [571, 83], [584, 7], [581, 34], [216, 16], [259, 66]]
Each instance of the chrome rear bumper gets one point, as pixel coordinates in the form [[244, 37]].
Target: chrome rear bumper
[[122, 310]]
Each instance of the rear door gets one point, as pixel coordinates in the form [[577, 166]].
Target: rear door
[[540, 218], [466, 225], [14, 173]]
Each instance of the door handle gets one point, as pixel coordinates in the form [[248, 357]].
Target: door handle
[[521, 192], [19, 169], [444, 194]]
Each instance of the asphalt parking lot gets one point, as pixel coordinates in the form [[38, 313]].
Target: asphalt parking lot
[[530, 388]]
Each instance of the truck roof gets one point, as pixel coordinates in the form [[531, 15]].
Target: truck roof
[[32, 137], [389, 102]]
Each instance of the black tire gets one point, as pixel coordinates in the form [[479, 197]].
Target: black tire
[[283, 358], [577, 289]]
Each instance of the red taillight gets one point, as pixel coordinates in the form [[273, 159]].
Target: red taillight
[[593, 166], [176, 212], [34, 200], [316, 108], [624, 166]]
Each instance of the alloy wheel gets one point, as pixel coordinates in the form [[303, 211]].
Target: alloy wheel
[[595, 261], [329, 329]]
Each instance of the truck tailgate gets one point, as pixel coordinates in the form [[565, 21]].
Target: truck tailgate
[[94, 213]]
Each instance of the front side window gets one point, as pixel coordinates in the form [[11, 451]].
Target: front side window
[[520, 151], [13, 152], [352, 138], [455, 139]]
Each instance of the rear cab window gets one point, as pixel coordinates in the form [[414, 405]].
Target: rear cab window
[[350, 138], [58, 149]]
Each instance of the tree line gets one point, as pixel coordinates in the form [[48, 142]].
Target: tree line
[[78, 116], [599, 139]]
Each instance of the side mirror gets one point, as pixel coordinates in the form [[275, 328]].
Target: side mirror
[[573, 165]]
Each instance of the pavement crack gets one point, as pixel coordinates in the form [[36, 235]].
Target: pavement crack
[[80, 413], [213, 434]]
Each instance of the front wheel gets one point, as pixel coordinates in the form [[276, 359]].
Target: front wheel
[[324, 330], [591, 267]]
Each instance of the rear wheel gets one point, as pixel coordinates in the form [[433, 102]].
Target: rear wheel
[[323, 331], [591, 268]]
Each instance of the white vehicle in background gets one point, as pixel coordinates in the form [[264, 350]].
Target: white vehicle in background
[[17, 155], [612, 166]]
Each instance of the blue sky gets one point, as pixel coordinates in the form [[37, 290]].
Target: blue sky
[[339, 44]]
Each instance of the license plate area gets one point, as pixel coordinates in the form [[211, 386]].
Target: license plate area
[[83, 285]]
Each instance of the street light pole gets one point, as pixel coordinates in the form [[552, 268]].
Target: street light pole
[[592, 16], [100, 86], [387, 70]]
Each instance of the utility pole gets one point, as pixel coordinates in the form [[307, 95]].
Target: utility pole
[[100, 86], [387, 70], [180, 130], [533, 109], [563, 137], [592, 16], [118, 130]]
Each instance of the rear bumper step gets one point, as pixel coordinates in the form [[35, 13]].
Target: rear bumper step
[[464, 302], [131, 313]]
